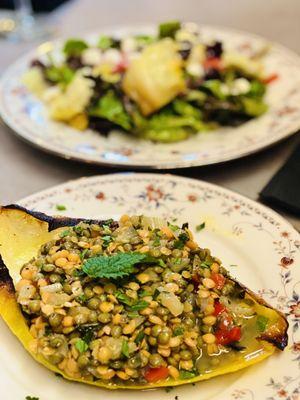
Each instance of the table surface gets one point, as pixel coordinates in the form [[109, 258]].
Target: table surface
[[25, 170]]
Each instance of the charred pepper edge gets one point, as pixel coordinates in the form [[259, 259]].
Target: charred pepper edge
[[6, 285]]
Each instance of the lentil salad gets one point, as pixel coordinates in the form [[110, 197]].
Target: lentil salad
[[171, 312]]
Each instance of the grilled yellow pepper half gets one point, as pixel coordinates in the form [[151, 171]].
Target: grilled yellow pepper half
[[155, 77], [23, 232]]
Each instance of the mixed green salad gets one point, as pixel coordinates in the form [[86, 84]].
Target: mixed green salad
[[162, 88]]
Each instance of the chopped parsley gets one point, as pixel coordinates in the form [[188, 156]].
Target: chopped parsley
[[60, 207], [81, 346], [200, 227], [178, 331], [262, 322], [125, 348], [183, 374], [65, 233]]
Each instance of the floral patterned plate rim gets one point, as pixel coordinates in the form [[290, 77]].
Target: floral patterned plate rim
[[28, 118], [257, 245]]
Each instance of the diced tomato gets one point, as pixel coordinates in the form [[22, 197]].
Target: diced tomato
[[225, 337], [219, 308], [219, 280], [213, 63], [156, 374], [121, 66], [235, 334], [270, 78]]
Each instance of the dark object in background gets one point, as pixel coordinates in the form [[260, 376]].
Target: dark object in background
[[283, 190], [37, 5]]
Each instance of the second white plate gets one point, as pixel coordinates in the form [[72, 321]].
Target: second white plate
[[258, 247]]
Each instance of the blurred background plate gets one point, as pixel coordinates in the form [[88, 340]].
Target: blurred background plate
[[27, 116], [253, 242]]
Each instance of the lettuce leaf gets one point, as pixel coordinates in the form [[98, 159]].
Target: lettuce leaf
[[74, 47], [111, 108]]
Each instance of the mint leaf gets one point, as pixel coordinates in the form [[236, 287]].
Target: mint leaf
[[125, 348], [262, 322], [200, 227], [81, 346], [114, 266], [31, 398], [74, 47]]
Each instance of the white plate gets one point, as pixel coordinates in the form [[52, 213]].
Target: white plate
[[259, 248], [27, 116]]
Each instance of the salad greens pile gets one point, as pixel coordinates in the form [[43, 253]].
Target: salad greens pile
[[162, 88]]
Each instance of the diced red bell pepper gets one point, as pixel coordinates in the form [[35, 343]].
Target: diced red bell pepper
[[219, 308], [213, 63], [225, 337], [156, 374], [219, 280], [270, 78]]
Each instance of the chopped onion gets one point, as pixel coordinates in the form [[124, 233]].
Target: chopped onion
[[55, 287], [171, 302]]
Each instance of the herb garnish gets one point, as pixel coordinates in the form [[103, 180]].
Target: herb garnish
[[65, 233], [186, 374], [81, 346], [178, 331], [180, 242], [200, 227], [262, 322], [139, 337], [60, 207], [117, 265], [125, 348]]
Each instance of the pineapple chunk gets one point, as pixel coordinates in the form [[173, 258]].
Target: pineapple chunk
[[154, 78], [74, 100]]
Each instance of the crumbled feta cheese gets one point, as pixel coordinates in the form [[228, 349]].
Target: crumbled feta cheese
[[183, 35], [129, 44], [195, 69], [239, 86], [112, 56], [91, 56], [191, 27]]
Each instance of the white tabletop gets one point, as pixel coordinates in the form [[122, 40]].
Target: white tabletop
[[25, 170]]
